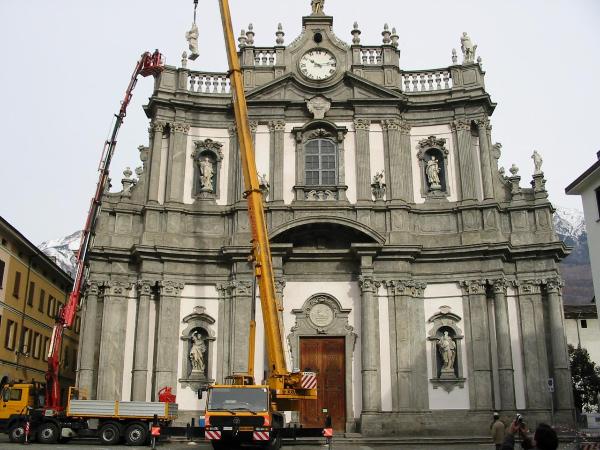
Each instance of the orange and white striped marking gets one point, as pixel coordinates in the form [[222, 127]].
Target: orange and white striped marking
[[309, 380], [260, 435], [212, 435], [590, 446]]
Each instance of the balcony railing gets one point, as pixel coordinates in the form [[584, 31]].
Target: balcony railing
[[426, 80]]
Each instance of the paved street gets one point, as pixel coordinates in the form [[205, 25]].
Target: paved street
[[4, 444]]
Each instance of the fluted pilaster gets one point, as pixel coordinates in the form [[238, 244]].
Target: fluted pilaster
[[363, 164], [139, 380], [466, 160]]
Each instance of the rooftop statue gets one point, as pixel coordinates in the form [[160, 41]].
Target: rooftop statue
[[537, 161], [192, 38], [468, 49], [317, 6]]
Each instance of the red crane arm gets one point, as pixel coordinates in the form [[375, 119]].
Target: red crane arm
[[149, 64]]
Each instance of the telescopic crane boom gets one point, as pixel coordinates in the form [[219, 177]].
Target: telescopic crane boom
[[148, 64]]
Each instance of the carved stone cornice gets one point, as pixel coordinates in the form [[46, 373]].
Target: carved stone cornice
[[362, 124], [554, 285], [368, 284], [461, 125], [170, 288], [179, 127], [499, 285], [276, 125], [474, 287], [116, 288], [528, 287], [433, 142], [145, 287]]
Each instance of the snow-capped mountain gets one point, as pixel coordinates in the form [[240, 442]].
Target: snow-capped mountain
[[63, 251], [569, 222]]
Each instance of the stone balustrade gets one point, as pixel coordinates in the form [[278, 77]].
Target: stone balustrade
[[265, 57], [208, 83], [371, 56], [426, 80]]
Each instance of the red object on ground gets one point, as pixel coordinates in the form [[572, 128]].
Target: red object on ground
[[165, 395], [328, 432], [155, 431]]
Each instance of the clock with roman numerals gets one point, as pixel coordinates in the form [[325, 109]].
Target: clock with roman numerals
[[317, 64]]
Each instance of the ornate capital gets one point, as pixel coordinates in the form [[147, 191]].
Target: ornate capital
[[92, 287], [391, 124], [232, 130], [407, 287], [145, 287], [253, 126], [528, 287], [241, 287], [499, 285], [474, 287], [158, 126], [179, 127], [279, 285], [362, 124], [483, 124], [405, 127], [277, 125], [368, 284], [117, 288], [554, 285], [461, 125], [170, 288]]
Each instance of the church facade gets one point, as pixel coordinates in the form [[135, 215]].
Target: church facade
[[413, 274]]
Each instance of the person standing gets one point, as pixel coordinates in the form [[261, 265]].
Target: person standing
[[498, 430]]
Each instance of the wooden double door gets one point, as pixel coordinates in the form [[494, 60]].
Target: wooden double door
[[326, 356]]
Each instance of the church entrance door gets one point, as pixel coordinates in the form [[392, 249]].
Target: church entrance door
[[326, 356]]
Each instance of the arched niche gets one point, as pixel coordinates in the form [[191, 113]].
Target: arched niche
[[433, 157], [207, 156], [196, 360], [445, 337]]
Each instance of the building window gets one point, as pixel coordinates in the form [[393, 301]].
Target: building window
[[320, 162], [42, 300], [45, 348], [25, 345], [11, 335], [1, 273], [583, 323], [37, 342], [30, 293], [51, 305], [17, 285]]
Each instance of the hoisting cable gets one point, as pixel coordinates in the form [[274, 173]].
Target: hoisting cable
[[195, 8]]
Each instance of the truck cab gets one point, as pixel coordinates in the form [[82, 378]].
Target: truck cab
[[242, 414], [16, 401]]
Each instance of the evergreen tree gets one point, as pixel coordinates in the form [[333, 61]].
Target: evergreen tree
[[586, 379]]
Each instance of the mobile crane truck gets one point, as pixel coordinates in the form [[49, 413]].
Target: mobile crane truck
[[31, 411], [240, 411]]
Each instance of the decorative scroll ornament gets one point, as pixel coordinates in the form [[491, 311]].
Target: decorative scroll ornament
[[318, 106]]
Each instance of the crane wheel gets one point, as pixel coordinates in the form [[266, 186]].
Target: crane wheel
[[16, 433], [136, 434], [48, 433], [109, 433]]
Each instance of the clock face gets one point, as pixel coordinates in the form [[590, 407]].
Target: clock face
[[318, 64]]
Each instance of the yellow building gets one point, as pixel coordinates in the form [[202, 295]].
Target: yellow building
[[32, 289]]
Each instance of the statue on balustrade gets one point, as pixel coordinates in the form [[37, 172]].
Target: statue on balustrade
[[432, 170], [537, 161], [192, 38], [468, 49], [317, 6]]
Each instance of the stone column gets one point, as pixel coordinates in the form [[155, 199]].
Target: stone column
[[560, 354], [486, 165], [419, 397], [139, 380], [277, 129], [234, 192], [406, 162], [177, 157], [363, 164], [479, 332], [371, 377], [241, 301], [468, 173], [87, 347], [533, 332], [112, 342], [503, 344], [167, 336], [155, 161], [224, 331]]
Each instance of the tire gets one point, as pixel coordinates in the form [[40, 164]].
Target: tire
[[109, 433], [136, 434], [16, 433], [218, 445], [275, 443], [48, 433]]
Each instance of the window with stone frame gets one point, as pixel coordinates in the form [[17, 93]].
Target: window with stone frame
[[11, 334], [1, 273], [17, 285], [320, 157]]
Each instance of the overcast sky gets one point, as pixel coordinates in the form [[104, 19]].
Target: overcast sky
[[66, 64]]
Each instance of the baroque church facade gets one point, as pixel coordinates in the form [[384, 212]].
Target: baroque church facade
[[412, 273]]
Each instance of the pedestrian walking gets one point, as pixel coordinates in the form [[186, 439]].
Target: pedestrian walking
[[498, 431]]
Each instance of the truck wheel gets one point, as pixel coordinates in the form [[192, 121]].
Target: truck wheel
[[109, 434], [16, 433], [136, 434], [48, 433], [274, 443]]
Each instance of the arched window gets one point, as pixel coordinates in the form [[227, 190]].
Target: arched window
[[320, 162]]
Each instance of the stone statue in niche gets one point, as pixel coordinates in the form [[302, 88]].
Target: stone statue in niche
[[378, 185], [197, 353], [468, 49], [447, 349], [206, 173], [432, 170], [537, 162], [317, 6], [192, 38]]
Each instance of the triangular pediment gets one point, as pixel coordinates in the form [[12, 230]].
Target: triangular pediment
[[289, 88]]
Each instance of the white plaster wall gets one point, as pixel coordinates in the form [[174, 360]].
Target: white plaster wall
[[349, 160], [588, 337], [384, 350], [199, 134], [436, 296], [592, 225], [289, 162], [514, 320], [479, 169], [439, 131], [151, 335], [262, 150], [196, 295], [348, 294], [376, 151], [260, 355], [162, 181], [129, 345]]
